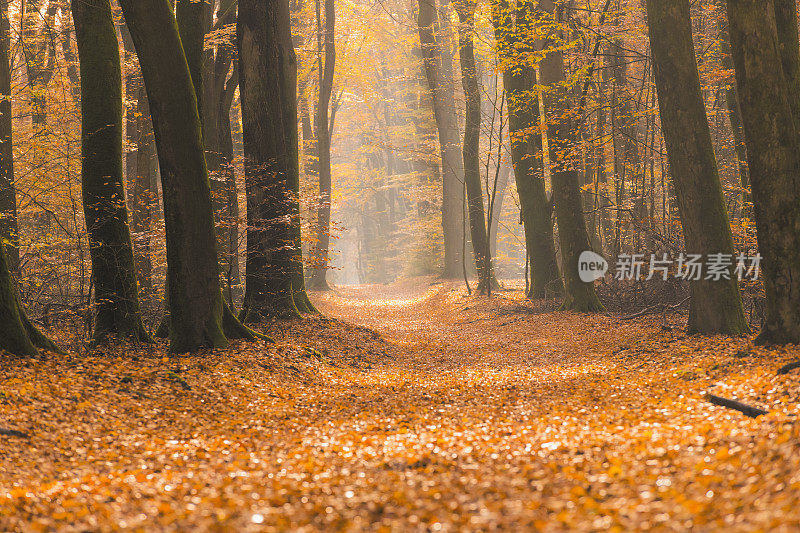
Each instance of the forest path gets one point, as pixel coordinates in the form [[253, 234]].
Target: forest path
[[460, 414]]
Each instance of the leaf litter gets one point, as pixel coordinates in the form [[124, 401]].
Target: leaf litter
[[408, 410]]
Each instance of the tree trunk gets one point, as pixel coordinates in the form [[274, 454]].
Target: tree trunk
[[193, 292], [497, 209], [471, 156], [267, 71], [102, 183], [191, 16], [230, 216], [715, 306], [9, 225], [563, 138], [734, 111], [514, 40], [145, 194], [766, 94], [440, 85], [318, 279]]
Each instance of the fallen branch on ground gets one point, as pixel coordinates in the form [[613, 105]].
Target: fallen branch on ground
[[785, 369], [747, 410], [13, 433], [658, 308]]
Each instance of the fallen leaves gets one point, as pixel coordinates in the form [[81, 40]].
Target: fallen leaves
[[555, 421]]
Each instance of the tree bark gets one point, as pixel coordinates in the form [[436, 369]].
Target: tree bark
[[766, 95], [113, 270], [144, 201], [440, 85], [715, 306], [563, 138], [193, 291], [9, 225], [734, 110], [513, 33], [470, 153], [318, 279], [267, 71]]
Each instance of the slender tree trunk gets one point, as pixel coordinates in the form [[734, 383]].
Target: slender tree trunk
[[103, 188], [497, 210], [231, 212], [267, 70], [9, 225], [514, 39], [715, 306], [766, 95], [471, 156], [440, 85], [197, 310], [145, 195], [563, 139], [318, 279]]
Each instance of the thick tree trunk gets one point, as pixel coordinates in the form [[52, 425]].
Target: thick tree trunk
[[113, 269], [318, 279], [470, 152], [766, 94], [9, 226], [715, 306], [786, 25], [511, 32], [267, 71], [193, 292], [191, 16], [734, 111], [13, 335], [563, 139], [18, 335], [440, 85]]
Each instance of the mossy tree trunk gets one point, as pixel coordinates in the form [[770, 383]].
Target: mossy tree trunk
[[267, 81], [470, 152], [318, 280], [435, 55], [768, 100], [9, 228], [193, 291], [512, 27], [715, 306], [563, 139], [113, 270], [18, 335]]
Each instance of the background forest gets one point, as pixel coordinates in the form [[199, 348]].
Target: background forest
[[385, 164], [422, 266]]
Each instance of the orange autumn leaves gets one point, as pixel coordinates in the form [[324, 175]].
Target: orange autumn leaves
[[461, 414]]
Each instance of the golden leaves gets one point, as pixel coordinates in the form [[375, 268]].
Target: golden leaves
[[457, 416]]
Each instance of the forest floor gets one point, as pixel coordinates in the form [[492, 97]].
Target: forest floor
[[421, 409]]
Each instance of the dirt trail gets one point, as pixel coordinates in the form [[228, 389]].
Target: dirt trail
[[460, 413]]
